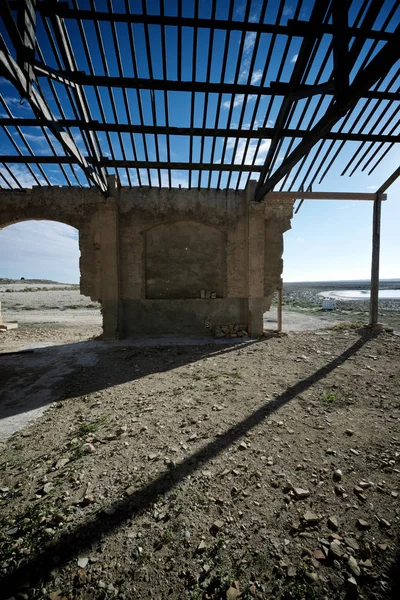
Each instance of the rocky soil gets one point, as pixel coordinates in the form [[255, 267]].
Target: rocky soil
[[268, 469]]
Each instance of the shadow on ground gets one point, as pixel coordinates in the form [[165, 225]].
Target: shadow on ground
[[84, 535]]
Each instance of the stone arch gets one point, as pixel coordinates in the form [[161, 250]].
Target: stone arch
[[182, 258]]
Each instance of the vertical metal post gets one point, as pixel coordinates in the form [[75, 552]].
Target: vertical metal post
[[280, 307], [376, 238]]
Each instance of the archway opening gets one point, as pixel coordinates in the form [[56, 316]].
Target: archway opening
[[40, 284]]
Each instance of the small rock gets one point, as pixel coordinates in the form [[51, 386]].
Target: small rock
[[311, 576], [384, 523], [12, 531], [232, 593], [88, 448], [48, 487], [202, 547], [336, 549], [353, 566], [318, 554], [152, 456], [83, 562], [333, 523], [337, 475], [300, 493], [352, 543], [367, 564], [61, 463], [349, 432], [310, 518], [216, 526], [242, 446], [336, 581], [291, 572], [361, 524], [352, 587], [382, 547]]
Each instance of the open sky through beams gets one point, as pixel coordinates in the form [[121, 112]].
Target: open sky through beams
[[329, 240]]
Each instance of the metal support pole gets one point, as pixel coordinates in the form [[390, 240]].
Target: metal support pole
[[376, 237], [280, 291]]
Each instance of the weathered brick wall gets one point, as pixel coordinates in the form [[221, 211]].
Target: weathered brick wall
[[242, 244]]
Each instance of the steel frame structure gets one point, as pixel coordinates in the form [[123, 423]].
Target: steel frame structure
[[307, 88], [342, 88]]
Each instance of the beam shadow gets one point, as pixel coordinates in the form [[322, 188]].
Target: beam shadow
[[96, 527], [55, 373]]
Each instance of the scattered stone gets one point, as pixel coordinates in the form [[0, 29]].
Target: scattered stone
[[365, 484], [318, 554], [61, 463], [300, 493], [354, 451], [216, 526], [48, 487], [202, 547], [232, 593], [83, 562], [311, 576], [366, 564], [243, 446], [382, 547], [349, 432], [352, 587], [336, 549], [352, 543], [384, 523], [353, 566], [152, 456], [337, 475], [333, 523], [310, 518], [361, 524], [336, 581], [88, 448], [291, 572]]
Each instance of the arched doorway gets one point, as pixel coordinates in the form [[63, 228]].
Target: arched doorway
[[40, 283]]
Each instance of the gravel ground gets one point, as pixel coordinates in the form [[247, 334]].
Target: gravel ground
[[269, 469]]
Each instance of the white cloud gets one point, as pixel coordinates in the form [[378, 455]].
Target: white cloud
[[371, 187], [238, 101], [256, 76], [40, 250], [23, 176], [294, 58], [248, 152], [16, 101], [249, 41]]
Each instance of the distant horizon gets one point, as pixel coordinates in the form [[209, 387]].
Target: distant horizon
[[320, 281]]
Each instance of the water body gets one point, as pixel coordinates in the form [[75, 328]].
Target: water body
[[360, 294]]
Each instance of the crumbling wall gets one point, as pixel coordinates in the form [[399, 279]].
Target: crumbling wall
[[168, 260]]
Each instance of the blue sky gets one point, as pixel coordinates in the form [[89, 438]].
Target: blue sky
[[328, 240]]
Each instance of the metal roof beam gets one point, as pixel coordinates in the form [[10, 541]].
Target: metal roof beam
[[134, 164], [260, 133], [276, 88], [381, 64], [293, 27], [12, 72]]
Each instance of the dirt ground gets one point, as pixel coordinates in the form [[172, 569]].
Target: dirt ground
[[261, 469]]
